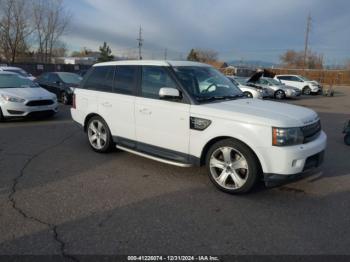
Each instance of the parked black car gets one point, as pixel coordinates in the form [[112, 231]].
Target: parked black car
[[60, 83]]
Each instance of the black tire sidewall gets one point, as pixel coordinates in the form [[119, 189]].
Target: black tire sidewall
[[306, 88], [64, 98], [248, 94], [1, 116], [252, 161], [283, 94], [109, 143]]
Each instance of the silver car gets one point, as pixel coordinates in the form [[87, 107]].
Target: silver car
[[21, 97], [274, 88], [249, 91]]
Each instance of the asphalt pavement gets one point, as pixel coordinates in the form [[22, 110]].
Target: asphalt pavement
[[57, 196]]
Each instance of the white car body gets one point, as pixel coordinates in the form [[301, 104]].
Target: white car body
[[299, 82], [164, 124], [17, 70], [31, 101]]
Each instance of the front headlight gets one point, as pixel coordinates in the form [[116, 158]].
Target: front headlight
[[287, 136], [12, 99]]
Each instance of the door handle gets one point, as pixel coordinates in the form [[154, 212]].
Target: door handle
[[145, 111], [107, 104]]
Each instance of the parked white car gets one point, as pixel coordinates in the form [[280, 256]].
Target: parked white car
[[249, 91], [156, 109], [17, 70], [305, 85], [21, 97]]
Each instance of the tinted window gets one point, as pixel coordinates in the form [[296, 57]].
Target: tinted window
[[284, 78], [153, 79], [125, 79], [53, 78], [100, 79]]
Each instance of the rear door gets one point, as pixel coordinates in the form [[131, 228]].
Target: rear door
[[162, 126]]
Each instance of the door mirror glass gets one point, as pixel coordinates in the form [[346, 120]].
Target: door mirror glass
[[168, 92]]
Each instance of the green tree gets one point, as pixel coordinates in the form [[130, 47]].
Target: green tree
[[106, 53]]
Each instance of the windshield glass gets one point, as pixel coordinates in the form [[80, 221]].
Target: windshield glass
[[70, 78], [274, 82], [15, 81], [241, 80], [304, 78], [18, 71], [204, 83]]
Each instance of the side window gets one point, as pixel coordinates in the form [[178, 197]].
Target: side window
[[153, 79], [282, 78], [100, 79], [294, 78], [125, 79], [53, 78]]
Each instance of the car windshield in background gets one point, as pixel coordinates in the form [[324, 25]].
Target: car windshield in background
[[70, 78], [304, 78], [206, 83], [18, 71], [241, 80], [16, 81], [274, 82]]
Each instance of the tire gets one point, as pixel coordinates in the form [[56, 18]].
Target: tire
[[280, 94], [347, 139], [306, 90], [221, 160], [248, 94], [64, 98], [99, 135], [1, 116]]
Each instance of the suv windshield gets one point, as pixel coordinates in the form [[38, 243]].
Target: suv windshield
[[15, 81], [70, 78], [206, 83]]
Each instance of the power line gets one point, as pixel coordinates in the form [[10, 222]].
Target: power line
[[140, 43]]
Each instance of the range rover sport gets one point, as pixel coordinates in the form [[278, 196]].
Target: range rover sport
[[189, 114]]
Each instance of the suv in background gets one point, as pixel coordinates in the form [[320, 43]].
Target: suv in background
[[305, 85], [17, 70], [189, 114]]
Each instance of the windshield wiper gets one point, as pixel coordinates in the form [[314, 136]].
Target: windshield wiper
[[213, 98]]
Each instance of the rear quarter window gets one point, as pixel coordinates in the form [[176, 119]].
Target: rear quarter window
[[100, 78]]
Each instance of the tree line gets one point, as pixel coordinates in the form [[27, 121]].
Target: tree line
[[32, 29]]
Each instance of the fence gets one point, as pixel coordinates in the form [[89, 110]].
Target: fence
[[328, 77], [38, 69]]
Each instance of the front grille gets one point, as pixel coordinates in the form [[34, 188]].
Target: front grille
[[40, 103], [311, 132]]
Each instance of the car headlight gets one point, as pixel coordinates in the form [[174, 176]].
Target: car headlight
[[287, 136], [12, 99]]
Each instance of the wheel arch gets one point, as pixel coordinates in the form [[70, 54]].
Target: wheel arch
[[88, 117], [219, 138]]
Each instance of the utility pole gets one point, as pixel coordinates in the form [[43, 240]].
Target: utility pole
[[140, 40], [165, 54], [307, 33]]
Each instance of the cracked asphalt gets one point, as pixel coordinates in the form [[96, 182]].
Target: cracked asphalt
[[59, 197]]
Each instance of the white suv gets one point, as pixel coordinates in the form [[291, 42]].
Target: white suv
[[305, 85], [189, 114]]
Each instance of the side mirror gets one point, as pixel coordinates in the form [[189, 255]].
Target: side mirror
[[169, 93]]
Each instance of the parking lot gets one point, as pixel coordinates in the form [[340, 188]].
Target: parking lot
[[57, 196]]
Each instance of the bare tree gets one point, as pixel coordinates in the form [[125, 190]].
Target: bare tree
[[202, 55], [295, 59], [15, 28], [50, 23]]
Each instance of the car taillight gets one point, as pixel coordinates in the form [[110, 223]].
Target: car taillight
[[73, 102]]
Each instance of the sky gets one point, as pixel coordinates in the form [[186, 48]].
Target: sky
[[236, 29]]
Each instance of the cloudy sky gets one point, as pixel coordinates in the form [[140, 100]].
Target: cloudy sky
[[237, 29]]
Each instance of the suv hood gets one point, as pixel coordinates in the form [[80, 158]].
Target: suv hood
[[255, 111], [28, 93]]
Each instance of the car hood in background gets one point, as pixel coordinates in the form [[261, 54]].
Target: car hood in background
[[28, 93], [255, 111]]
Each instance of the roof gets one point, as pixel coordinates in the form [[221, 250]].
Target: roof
[[8, 73], [10, 68], [151, 63]]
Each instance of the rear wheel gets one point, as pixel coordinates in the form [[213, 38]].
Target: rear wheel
[[248, 94], [279, 94], [232, 166], [99, 135], [306, 90], [64, 98]]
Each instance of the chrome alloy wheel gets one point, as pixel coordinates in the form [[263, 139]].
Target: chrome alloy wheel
[[97, 134], [229, 168]]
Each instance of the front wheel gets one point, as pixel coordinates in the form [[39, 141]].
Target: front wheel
[[232, 166], [248, 94], [1, 116], [64, 98], [99, 136], [279, 94], [306, 90]]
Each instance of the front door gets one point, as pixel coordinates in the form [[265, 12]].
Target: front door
[[162, 126]]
